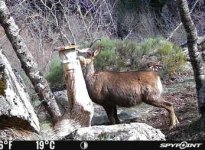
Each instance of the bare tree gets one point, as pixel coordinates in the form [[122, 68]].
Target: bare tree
[[28, 63], [180, 24], [195, 57]]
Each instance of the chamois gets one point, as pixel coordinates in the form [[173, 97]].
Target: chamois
[[125, 89]]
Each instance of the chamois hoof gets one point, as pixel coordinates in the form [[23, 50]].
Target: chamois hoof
[[177, 121], [174, 126]]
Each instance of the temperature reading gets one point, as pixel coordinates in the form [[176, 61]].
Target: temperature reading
[[5, 144], [42, 144]]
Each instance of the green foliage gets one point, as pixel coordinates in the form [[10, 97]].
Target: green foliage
[[172, 58], [55, 76], [116, 53], [149, 45], [107, 57], [124, 55]]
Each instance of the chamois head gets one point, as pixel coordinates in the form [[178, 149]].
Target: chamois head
[[88, 57]]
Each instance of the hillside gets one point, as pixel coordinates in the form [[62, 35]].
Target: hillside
[[128, 35]]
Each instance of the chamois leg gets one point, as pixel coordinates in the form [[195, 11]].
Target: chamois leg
[[111, 113], [117, 120], [168, 106]]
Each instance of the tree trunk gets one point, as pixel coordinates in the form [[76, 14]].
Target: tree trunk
[[27, 62], [80, 107], [16, 110], [195, 57]]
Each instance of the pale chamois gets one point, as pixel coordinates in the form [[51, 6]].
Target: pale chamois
[[125, 89]]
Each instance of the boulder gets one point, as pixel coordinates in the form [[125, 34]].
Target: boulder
[[16, 110], [120, 132]]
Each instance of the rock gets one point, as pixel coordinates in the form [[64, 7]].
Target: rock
[[18, 135], [16, 110], [120, 132], [100, 116], [62, 100]]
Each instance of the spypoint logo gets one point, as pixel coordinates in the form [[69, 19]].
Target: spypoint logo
[[182, 145]]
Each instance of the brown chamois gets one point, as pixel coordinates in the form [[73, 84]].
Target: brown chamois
[[125, 89]]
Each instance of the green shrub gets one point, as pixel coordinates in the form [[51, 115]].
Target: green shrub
[[116, 53], [107, 56], [128, 55], [148, 45], [55, 76], [172, 58]]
